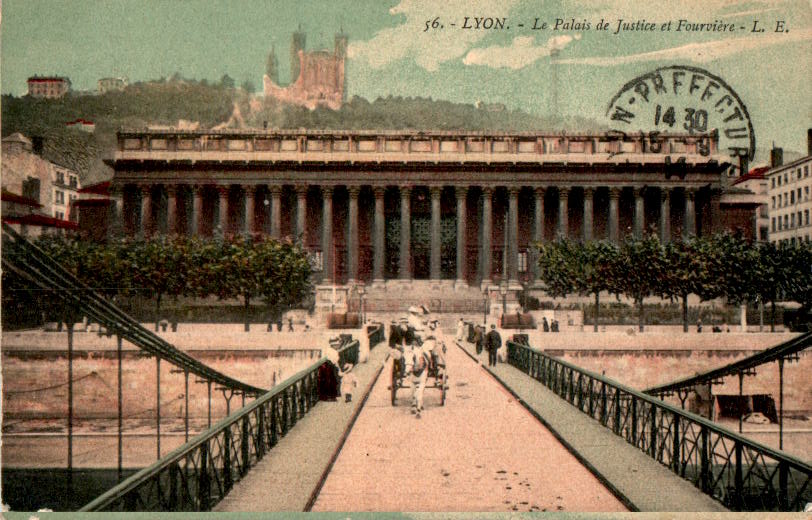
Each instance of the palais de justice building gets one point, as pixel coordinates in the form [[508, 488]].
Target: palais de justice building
[[374, 206]]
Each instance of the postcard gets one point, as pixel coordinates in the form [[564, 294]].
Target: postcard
[[478, 259]]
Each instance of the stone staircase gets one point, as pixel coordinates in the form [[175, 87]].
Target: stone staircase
[[397, 296]]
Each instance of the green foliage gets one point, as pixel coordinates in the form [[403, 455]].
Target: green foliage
[[235, 267], [644, 268]]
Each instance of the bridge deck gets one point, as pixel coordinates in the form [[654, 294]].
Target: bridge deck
[[482, 451], [285, 479], [643, 482]]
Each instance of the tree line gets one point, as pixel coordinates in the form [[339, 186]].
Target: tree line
[[720, 266], [274, 271]]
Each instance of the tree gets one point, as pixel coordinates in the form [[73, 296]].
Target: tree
[[770, 275], [227, 81], [160, 264], [558, 265], [687, 272], [599, 270], [642, 272]]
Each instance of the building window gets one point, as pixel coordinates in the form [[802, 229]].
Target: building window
[[806, 171], [59, 215], [792, 220], [60, 177], [523, 261], [799, 194], [762, 211], [74, 181], [786, 177], [60, 197], [786, 221], [773, 182], [31, 188], [762, 233], [792, 197], [779, 180], [773, 222], [773, 202], [806, 192], [779, 223], [806, 217]]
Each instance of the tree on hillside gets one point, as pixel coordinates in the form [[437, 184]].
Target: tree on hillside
[[227, 81], [248, 86]]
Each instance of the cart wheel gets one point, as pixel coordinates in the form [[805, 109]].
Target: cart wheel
[[445, 389], [395, 378]]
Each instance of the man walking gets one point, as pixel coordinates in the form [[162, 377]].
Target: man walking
[[492, 342]]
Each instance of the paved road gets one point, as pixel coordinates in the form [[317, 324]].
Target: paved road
[[480, 452]]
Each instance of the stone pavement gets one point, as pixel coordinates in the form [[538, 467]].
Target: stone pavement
[[643, 482], [479, 452], [290, 472]]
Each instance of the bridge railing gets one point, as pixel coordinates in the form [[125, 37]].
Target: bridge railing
[[742, 474], [197, 475]]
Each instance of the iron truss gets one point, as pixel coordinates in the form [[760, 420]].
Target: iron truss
[[31, 266], [787, 350]]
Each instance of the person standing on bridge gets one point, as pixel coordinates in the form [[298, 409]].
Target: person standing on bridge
[[460, 330], [492, 342]]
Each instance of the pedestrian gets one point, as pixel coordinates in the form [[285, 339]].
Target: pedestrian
[[417, 365], [290, 324], [479, 339], [460, 330], [545, 326], [554, 326], [348, 382], [493, 342], [699, 325]]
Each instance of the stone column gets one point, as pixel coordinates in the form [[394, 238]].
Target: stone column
[[462, 218], [222, 209], [276, 210], [405, 268], [614, 220], [115, 215], [171, 209], [301, 214], [689, 228], [639, 213], [379, 252], [146, 210], [589, 197], [434, 261], [513, 236], [196, 218], [249, 224], [487, 217], [563, 212], [665, 215], [327, 234], [352, 246], [538, 228]]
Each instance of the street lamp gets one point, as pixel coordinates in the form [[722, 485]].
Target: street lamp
[[361, 301], [485, 307], [503, 291]]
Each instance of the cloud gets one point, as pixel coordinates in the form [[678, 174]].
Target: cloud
[[698, 52], [429, 48], [521, 53]]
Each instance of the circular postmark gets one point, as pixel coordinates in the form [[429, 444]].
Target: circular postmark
[[682, 99]]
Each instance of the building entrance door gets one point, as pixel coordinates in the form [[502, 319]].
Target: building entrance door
[[421, 247]]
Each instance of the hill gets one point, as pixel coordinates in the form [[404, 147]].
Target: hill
[[167, 102]]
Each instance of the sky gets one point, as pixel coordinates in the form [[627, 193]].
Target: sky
[[391, 53]]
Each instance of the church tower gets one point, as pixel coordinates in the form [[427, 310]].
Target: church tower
[[297, 44], [272, 67]]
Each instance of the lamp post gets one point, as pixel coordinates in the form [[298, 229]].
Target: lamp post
[[503, 291], [361, 302], [485, 307]]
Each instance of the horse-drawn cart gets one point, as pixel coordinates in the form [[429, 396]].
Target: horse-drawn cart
[[437, 378]]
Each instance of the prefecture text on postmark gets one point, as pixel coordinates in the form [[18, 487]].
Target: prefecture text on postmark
[[683, 99]]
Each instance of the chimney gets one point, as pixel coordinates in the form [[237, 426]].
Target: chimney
[[809, 141], [37, 144], [776, 157]]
